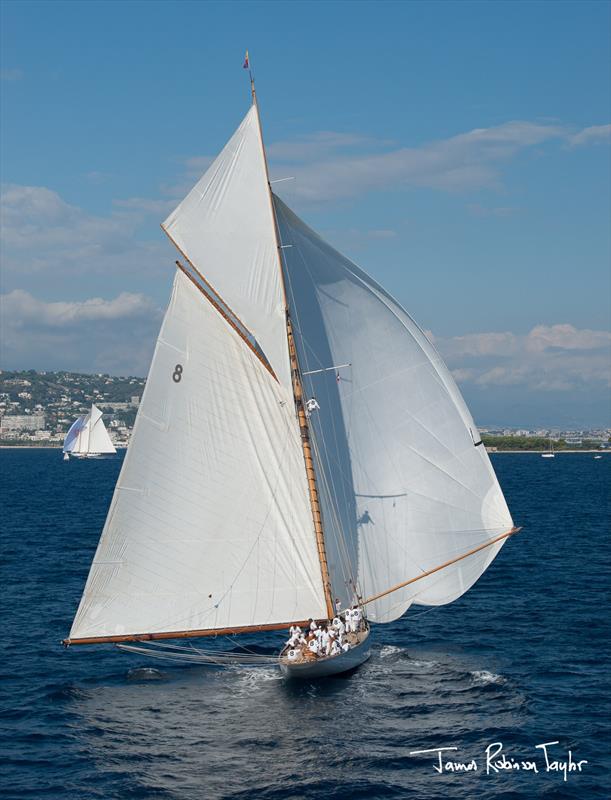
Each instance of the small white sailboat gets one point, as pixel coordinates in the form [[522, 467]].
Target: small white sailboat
[[244, 507], [88, 437], [550, 453]]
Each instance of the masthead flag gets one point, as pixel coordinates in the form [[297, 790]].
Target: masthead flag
[[246, 64]]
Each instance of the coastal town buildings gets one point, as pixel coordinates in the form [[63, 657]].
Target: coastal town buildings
[[37, 408]]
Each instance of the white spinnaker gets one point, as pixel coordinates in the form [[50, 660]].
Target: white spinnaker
[[225, 227], [409, 488], [210, 525], [99, 440], [71, 440]]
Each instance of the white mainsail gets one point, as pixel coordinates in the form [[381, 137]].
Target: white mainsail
[[406, 484], [225, 228], [210, 525], [88, 435]]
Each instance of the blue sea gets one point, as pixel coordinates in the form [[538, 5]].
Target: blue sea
[[519, 661]]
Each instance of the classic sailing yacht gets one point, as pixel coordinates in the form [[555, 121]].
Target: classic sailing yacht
[[550, 453], [242, 506], [88, 437]]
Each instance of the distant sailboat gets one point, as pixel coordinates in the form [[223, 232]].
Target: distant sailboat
[[550, 453], [299, 443], [87, 437]]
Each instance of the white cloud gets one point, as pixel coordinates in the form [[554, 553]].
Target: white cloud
[[309, 146], [548, 358], [159, 208], [45, 238], [470, 160], [593, 135], [93, 335]]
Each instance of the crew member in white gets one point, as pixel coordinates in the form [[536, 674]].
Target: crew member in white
[[324, 640], [349, 620], [339, 626]]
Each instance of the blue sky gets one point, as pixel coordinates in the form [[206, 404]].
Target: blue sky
[[457, 151]]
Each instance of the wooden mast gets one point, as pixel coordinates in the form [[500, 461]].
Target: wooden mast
[[298, 394]]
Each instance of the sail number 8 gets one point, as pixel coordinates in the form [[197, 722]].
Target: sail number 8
[[177, 374]]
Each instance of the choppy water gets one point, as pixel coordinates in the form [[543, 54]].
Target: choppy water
[[519, 660]]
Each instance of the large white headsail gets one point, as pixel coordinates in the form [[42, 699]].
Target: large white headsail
[[210, 525], [407, 481], [225, 227]]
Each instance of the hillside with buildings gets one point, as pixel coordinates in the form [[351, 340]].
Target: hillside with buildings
[[37, 408]]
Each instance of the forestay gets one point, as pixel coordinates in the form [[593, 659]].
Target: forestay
[[407, 483], [210, 525], [225, 227]]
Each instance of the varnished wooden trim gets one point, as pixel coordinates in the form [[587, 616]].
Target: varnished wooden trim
[[221, 311], [148, 637], [226, 317], [441, 566], [298, 397]]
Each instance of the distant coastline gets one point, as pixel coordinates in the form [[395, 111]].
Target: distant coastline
[[56, 446]]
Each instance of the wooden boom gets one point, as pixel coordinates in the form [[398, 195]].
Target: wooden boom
[[147, 637], [441, 566]]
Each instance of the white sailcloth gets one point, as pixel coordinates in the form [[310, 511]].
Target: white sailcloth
[[406, 485], [210, 525], [88, 435], [225, 227]]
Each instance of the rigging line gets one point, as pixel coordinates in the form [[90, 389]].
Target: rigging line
[[441, 566], [347, 480], [346, 561], [297, 386], [315, 438], [313, 432], [345, 484]]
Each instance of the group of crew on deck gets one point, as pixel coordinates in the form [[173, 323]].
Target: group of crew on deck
[[322, 639]]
